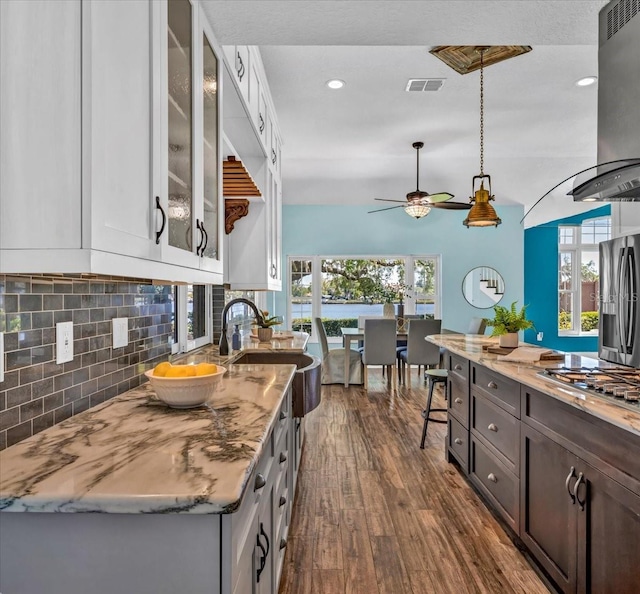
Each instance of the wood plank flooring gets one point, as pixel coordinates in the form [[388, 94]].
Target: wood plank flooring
[[376, 514]]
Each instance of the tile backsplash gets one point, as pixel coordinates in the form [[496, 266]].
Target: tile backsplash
[[36, 392]]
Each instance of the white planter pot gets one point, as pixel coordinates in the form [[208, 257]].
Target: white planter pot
[[388, 310], [508, 341]]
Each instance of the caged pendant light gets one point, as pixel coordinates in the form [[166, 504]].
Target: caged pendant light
[[482, 214]]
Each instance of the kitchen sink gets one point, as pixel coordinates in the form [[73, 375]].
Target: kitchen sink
[[306, 381]]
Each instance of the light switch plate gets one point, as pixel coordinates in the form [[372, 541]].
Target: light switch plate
[[1, 357], [64, 342], [120, 331]]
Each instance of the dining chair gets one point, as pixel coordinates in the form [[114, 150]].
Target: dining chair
[[419, 351], [380, 347], [477, 326], [333, 361]]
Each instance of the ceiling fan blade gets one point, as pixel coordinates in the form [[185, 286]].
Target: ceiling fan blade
[[452, 205], [439, 197], [381, 209], [387, 200]]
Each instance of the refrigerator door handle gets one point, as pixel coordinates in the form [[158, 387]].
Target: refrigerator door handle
[[632, 304], [622, 281]]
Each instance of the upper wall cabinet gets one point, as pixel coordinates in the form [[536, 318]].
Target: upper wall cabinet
[[113, 166], [253, 255]]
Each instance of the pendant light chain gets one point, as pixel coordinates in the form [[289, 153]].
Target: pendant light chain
[[481, 112]]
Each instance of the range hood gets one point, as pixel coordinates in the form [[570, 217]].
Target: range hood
[[617, 177]]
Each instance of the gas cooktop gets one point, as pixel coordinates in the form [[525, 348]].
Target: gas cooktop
[[619, 385]]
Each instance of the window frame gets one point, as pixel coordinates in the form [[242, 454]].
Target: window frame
[[181, 319], [316, 282], [576, 248]]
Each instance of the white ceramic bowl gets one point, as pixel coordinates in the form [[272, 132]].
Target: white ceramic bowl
[[185, 392]]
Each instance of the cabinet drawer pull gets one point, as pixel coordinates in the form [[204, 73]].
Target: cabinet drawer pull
[[575, 491], [261, 128], [493, 427], [240, 68], [492, 385], [265, 552], [283, 457], [458, 400], [458, 441], [259, 482], [206, 238], [492, 477], [282, 501], [572, 473], [283, 543], [273, 156], [458, 367], [164, 220], [274, 271], [201, 237], [283, 415]]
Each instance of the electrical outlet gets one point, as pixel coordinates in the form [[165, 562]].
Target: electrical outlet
[[540, 335], [1, 357], [120, 331], [64, 342]]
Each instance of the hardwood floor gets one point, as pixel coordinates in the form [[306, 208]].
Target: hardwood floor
[[376, 514]]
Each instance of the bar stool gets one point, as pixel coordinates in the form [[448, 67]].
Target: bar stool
[[436, 376]]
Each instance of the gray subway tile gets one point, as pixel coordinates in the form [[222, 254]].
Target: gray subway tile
[[32, 373], [18, 433], [9, 418], [53, 401], [62, 413], [52, 302], [18, 395], [43, 422], [29, 302], [30, 410]]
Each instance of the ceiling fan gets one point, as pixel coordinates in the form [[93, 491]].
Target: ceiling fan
[[419, 203]]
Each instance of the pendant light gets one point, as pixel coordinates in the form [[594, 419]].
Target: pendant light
[[482, 214]]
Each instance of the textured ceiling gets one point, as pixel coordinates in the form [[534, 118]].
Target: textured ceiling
[[353, 145]]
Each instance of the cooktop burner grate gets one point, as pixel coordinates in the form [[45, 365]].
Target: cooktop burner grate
[[619, 385]]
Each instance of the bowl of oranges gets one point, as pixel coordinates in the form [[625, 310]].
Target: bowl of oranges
[[185, 386]]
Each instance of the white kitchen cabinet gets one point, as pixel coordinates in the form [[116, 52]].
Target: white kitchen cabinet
[[86, 190], [253, 252]]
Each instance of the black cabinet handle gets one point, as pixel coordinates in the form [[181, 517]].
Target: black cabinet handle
[[283, 457], [263, 558], [259, 482], [282, 501], [206, 238], [283, 543], [164, 220], [273, 156], [575, 491], [492, 385], [263, 533], [240, 68], [261, 128], [283, 415], [201, 236], [571, 474]]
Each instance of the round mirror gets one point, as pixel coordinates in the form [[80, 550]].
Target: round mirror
[[483, 287]]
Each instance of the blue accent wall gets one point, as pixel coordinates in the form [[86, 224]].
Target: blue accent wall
[[541, 284], [327, 230]]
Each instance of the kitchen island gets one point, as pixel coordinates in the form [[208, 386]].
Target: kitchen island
[[133, 496], [560, 467]]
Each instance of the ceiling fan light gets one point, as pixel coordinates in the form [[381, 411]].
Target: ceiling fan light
[[417, 211]]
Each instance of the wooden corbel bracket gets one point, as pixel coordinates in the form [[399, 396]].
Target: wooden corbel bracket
[[234, 209]]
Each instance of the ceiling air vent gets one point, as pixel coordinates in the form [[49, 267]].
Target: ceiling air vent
[[620, 14], [425, 84]]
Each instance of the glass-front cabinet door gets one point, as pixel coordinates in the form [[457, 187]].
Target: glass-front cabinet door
[[190, 135]]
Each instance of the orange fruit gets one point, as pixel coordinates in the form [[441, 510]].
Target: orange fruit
[[161, 369], [206, 368], [177, 371]]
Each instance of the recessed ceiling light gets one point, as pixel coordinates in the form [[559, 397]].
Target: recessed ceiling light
[[335, 83], [586, 81]]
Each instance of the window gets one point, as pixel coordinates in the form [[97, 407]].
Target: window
[[341, 289], [579, 275], [192, 327]]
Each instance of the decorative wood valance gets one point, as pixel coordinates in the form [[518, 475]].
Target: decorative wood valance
[[234, 209], [236, 180]]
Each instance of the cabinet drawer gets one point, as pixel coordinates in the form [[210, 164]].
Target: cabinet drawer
[[499, 389], [458, 399], [457, 365], [281, 422], [499, 428], [458, 438], [496, 482]]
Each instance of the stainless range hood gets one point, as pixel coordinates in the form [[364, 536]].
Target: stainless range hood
[[617, 177]]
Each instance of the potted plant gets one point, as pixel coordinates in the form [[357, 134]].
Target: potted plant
[[265, 326], [507, 323]]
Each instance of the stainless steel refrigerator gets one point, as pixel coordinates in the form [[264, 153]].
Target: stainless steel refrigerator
[[619, 325]]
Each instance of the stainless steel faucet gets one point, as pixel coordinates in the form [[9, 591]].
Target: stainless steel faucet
[[224, 345]]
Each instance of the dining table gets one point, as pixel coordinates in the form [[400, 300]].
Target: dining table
[[357, 334]]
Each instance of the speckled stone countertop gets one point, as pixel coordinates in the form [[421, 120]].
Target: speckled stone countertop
[[470, 347], [133, 454]]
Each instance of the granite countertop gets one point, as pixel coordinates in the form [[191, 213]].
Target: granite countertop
[[133, 454], [470, 347]]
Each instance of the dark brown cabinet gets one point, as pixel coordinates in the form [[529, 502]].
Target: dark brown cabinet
[[582, 526]]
